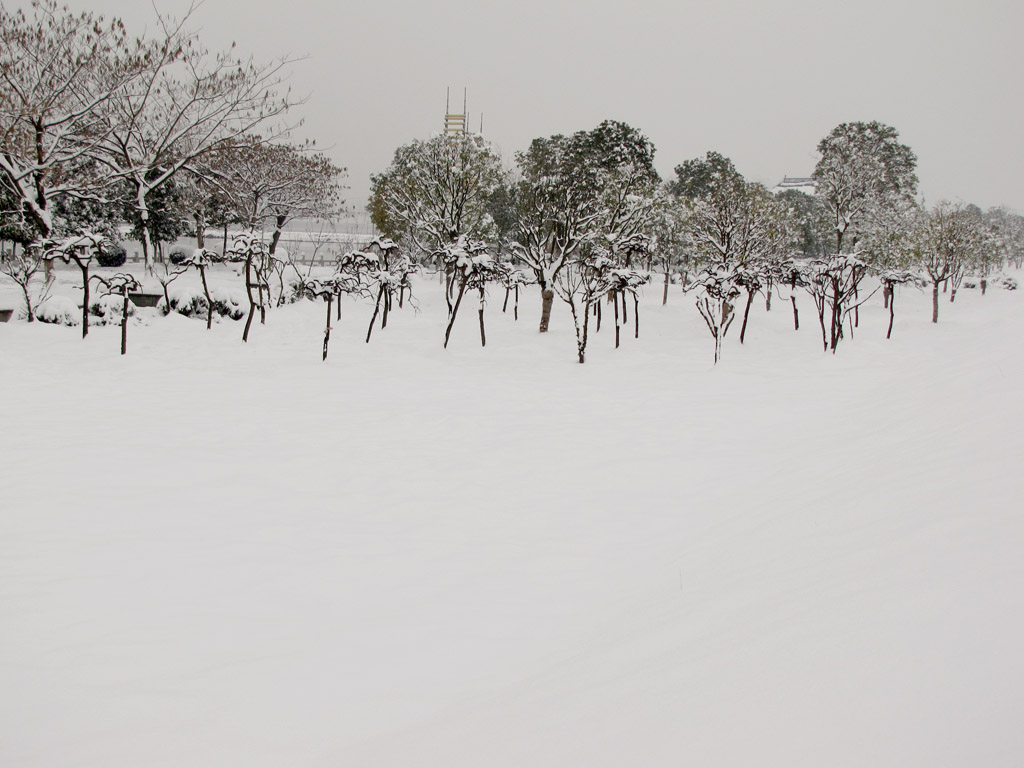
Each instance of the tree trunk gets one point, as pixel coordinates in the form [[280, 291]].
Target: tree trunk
[[586, 328], [224, 250], [935, 303], [984, 285], [796, 314], [547, 297], [327, 327], [124, 320], [856, 303], [615, 302], [636, 317], [260, 278], [252, 301], [664, 296], [581, 333], [84, 266], [483, 335], [505, 305], [597, 309], [952, 295], [837, 317], [144, 242], [746, 314], [821, 322], [625, 317], [376, 309], [455, 311], [209, 299], [892, 313], [515, 307]]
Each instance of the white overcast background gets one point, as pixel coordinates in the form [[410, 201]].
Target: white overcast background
[[761, 82]]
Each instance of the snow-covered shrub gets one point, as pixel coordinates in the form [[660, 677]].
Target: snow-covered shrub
[[179, 255], [191, 302], [113, 255], [295, 291], [59, 310], [1009, 283], [187, 301], [108, 309]]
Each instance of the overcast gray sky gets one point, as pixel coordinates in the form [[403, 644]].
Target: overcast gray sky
[[759, 81]]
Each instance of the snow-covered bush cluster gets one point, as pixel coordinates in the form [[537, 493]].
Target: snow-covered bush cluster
[[191, 302], [108, 309], [59, 310]]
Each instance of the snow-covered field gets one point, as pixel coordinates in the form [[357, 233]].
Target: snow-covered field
[[217, 554]]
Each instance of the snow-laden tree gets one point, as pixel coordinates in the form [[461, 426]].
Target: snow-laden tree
[[834, 285], [58, 73], [813, 233], [436, 190], [1005, 244], [863, 166], [186, 104], [670, 245], [716, 301], [80, 249], [379, 274], [22, 267], [119, 285], [793, 273], [328, 289], [471, 266], [202, 259], [890, 278], [250, 249], [887, 246], [512, 279], [592, 191], [949, 240], [735, 228], [277, 182]]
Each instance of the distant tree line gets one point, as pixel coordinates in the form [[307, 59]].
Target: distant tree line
[[588, 219]]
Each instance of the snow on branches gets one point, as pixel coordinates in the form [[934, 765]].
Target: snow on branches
[[718, 290]]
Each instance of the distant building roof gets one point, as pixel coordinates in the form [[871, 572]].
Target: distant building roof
[[801, 183]]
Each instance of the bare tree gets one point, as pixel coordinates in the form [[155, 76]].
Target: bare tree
[[58, 73], [22, 268], [186, 104]]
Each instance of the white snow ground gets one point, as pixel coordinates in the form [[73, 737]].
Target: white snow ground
[[217, 554]]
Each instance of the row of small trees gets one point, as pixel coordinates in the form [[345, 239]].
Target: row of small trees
[[98, 126], [588, 218]]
